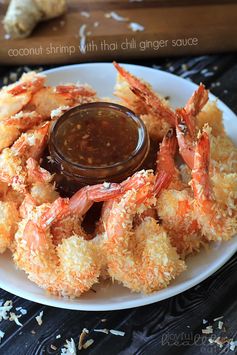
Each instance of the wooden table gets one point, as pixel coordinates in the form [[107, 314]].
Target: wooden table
[[171, 27], [173, 326]]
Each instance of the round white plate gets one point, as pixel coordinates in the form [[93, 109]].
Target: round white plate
[[111, 297]]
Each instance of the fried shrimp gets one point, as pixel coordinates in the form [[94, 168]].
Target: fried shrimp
[[68, 265], [198, 115], [157, 115], [15, 97], [216, 222], [175, 202], [186, 125], [82, 200], [13, 160], [69, 269], [165, 164], [12, 127], [9, 217], [49, 99], [140, 257], [41, 189]]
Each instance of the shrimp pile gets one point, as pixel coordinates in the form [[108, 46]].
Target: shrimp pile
[[149, 223]]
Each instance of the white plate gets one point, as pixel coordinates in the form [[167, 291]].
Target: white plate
[[111, 297]]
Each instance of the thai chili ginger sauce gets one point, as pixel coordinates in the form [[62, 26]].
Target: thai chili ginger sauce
[[99, 139], [96, 143]]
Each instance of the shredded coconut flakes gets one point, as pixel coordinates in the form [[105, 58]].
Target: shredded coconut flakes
[[13, 317], [116, 16], [82, 336], [88, 343], [117, 332], [218, 318], [136, 27], [5, 309], [39, 318], [1, 335], [69, 348], [82, 35], [233, 345], [105, 331], [208, 330], [85, 14]]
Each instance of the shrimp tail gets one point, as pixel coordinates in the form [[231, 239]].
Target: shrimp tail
[[56, 210], [162, 182], [143, 91], [197, 101], [36, 173], [185, 136], [200, 172], [34, 235], [24, 86], [165, 169]]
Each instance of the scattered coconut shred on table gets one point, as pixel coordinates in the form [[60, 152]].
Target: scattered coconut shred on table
[[82, 337], [6, 314], [4, 309], [1, 335], [136, 27], [69, 348], [115, 16], [39, 319], [13, 317], [85, 14], [220, 341], [82, 35]]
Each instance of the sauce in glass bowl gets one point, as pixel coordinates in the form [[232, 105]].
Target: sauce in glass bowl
[[97, 142]]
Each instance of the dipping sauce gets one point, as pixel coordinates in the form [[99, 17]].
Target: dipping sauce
[[97, 137], [96, 142]]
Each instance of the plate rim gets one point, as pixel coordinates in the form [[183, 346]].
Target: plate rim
[[150, 299]]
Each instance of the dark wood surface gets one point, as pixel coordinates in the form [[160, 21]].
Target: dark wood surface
[[182, 27], [173, 326]]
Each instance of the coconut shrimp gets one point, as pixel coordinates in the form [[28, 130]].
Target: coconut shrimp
[[177, 213], [14, 97], [175, 202], [186, 126], [223, 160], [9, 217], [42, 189], [165, 164], [159, 117], [124, 93], [211, 115], [61, 98], [216, 222], [82, 200], [140, 257], [199, 115], [222, 168], [71, 265], [13, 160], [12, 127]]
